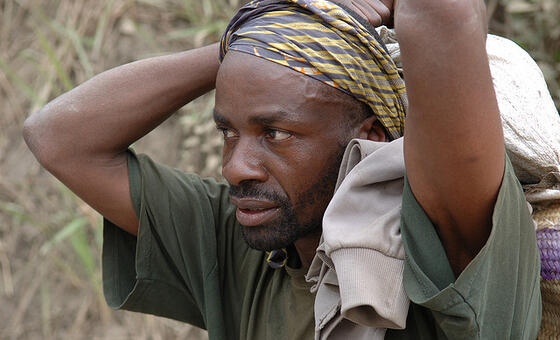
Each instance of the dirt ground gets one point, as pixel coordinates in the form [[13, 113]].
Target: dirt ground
[[50, 241]]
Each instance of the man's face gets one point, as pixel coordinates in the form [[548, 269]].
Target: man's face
[[284, 137]]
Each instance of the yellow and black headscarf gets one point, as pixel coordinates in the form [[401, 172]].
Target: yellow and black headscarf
[[321, 40]]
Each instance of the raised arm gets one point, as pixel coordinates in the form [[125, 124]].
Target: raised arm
[[82, 136], [454, 148]]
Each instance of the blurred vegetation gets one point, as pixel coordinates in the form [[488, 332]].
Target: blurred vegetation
[[535, 26], [50, 241]]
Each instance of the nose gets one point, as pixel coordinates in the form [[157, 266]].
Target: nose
[[243, 162]]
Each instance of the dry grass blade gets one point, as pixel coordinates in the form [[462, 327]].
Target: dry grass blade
[[80, 319], [77, 43], [62, 75], [216, 27], [19, 82], [14, 328], [64, 233], [101, 28], [15, 112], [81, 249], [5, 266], [46, 310]]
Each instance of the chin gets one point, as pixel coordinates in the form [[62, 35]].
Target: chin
[[280, 234], [265, 238]]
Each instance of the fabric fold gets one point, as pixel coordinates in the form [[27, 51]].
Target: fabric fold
[[360, 260], [361, 301], [530, 120]]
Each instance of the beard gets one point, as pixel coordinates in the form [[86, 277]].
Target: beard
[[288, 228]]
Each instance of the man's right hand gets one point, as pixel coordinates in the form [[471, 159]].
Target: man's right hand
[[82, 136]]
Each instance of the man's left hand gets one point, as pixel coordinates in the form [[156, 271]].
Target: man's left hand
[[377, 12]]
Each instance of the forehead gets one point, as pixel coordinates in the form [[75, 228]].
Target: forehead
[[251, 86]]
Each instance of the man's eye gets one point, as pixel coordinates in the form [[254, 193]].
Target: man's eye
[[277, 135], [227, 133]]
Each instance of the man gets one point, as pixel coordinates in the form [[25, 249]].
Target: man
[[189, 253]]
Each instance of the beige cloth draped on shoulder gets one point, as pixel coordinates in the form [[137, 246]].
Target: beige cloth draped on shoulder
[[353, 301], [361, 239]]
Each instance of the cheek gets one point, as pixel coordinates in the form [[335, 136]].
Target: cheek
[[226, 157], [226, 153], [312, 171]]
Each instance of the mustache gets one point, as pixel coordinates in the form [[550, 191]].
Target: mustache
[[255, 191]]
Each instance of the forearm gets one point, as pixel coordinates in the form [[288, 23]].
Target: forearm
[[454, 149], [104, 115], [453, 111], [443, 45]]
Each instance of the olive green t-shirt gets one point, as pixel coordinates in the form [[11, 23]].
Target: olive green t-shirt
[[190, 263]]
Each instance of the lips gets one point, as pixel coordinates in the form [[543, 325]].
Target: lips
[[253, 212]]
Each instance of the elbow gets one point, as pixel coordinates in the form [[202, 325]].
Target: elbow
[[38, 133], [31, 132]]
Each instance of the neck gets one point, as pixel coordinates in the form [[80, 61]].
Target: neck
[[306, 247]]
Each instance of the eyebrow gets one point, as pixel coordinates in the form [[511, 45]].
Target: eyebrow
[[268, 119], [220, 119]]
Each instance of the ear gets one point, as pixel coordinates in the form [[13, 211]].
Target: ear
[[372, 129]]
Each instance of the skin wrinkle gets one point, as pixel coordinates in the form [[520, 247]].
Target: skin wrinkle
[[285, 231], [299, 172]]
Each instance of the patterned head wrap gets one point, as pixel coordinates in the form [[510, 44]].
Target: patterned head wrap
[[321, 40]]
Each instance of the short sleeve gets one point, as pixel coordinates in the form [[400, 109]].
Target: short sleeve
[[498, 294], [186, 226]]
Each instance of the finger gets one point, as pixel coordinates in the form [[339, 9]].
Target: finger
[[355, 9], [370, 14], [381, 8], [390, 4]]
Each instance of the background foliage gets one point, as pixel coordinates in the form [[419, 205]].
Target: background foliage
[[50, 241], [535, 26]]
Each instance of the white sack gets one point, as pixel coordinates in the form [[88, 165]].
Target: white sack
[[530, 119]]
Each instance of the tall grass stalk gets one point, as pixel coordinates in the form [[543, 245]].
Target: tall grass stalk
[[21, 84], [46, 310], [55, 61]]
